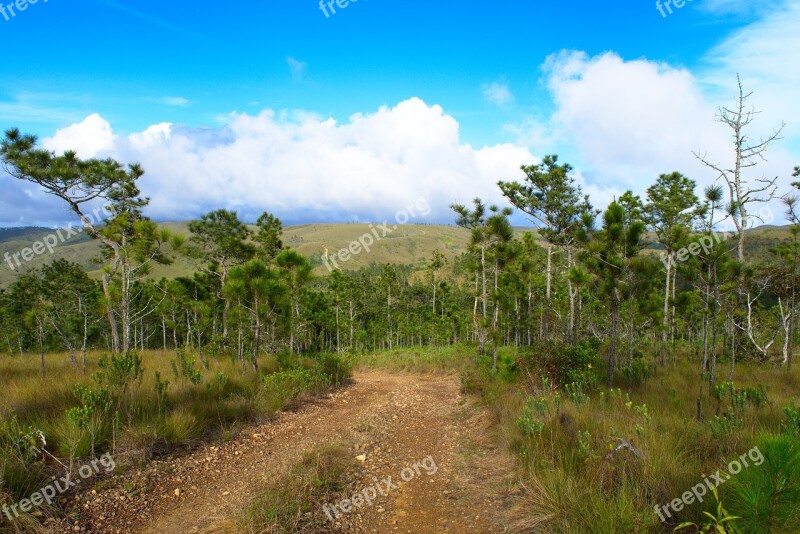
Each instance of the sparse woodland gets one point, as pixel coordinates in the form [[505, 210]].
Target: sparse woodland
[[637, 324]]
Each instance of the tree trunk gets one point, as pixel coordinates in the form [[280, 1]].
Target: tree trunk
[[496, 310], [630, 334], [257, 339], [571, 291], [549, 278], [674, 300], [612, 352], [112, 320]]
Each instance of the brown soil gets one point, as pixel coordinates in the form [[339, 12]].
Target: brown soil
[[394, 421]]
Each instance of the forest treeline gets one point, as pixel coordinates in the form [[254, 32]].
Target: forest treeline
[[587, 275], [649, 286]]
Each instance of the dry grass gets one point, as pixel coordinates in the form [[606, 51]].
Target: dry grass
[[571, 484], [225, 398], [294, 503]]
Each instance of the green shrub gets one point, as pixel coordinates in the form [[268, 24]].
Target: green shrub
[[20, 450], [333, 370], [719, 522], [739, 398], [119, 373], [767, 496], [569, 364], [575, 393], [93, 413], [281, 390], [792, 424], [528, 423], [723, 427], [185, 367]]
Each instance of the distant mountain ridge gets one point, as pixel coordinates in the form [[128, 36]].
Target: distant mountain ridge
[[407, 244]]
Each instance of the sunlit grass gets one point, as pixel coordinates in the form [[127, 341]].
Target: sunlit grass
[[208, 403], [294, 503], [570, 482]]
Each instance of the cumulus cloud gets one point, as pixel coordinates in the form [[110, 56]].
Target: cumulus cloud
[[498, 94], [88, 138], [625, 111], [306, 168], [624, 122]]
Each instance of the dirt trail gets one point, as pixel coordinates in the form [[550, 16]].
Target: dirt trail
[[395, 420]]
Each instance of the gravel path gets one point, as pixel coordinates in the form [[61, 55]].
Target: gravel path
[[417, 429]]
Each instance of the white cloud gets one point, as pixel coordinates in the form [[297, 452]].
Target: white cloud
[[498, 94], [765, 53], [622, 123], [177, 101], [297, 68], [88, 138], [304, 167], [618, 111]]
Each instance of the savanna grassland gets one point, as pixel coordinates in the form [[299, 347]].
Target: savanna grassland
[[568, 474], [599, 374]]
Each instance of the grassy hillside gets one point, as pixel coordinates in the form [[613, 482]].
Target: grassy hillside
[[408, 244]]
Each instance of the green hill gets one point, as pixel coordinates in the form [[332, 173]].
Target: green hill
[[407, 244]]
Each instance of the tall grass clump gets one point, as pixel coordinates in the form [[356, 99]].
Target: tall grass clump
[[594, 459], [294, 503], [137, 406]]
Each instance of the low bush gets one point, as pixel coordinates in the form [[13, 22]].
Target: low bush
[[767, 497], [125, 405], [567, 364]]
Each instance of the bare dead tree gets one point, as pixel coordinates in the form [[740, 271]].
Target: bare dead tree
[[744, 191], [748, 153]]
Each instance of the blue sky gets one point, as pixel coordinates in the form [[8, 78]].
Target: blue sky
[[228, 105]]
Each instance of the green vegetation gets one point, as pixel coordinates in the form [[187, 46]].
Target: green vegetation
[[294, 503], [137, 406], [701, 332], [579, 475]]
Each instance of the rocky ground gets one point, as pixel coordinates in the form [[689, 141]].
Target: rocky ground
[[446, 474]]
